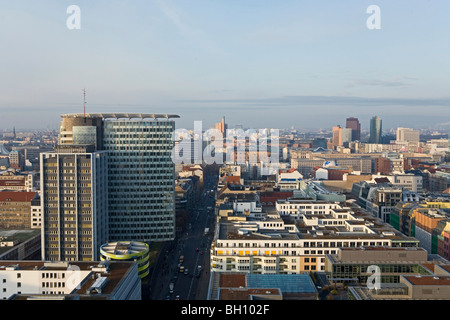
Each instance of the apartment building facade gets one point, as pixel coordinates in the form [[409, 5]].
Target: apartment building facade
[[276, 245], [74, 203], [15, 209]]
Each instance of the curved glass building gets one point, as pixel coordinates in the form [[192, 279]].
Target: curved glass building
[[127, 251]]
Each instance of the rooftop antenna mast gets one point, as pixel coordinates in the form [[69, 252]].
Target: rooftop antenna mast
[[84, 103]]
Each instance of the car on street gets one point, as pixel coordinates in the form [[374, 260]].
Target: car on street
[[186, 271]]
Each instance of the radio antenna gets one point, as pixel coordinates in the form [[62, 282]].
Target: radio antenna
[[84, 102]]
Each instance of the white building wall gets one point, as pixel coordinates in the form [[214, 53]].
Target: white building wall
[[39, 281], [322, 173]]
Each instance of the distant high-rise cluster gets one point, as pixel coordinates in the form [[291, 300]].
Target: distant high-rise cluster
[[341, 135], [351, 132]]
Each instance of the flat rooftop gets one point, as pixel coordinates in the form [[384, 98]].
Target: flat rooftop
[[288, 283], [243, 286], [124, 247], [116, 271], [20, 235], [433, 280], [380, 248], [230, 231]]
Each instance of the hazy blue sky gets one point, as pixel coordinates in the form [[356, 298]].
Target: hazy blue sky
[[258, 63]]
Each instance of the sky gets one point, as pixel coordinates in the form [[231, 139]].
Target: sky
[[277, 64]]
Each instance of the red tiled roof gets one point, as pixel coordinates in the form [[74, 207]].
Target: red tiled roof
[[286, 171], [18, 196], [233, 179], [12, 183]]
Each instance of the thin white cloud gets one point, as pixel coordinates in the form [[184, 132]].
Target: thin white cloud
[[186, 27], [174, 14], [333, 101], [395, 82]]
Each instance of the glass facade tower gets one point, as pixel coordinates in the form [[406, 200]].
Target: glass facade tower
[[375, 130], [141, 179]]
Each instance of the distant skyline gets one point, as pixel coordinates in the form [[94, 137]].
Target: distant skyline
[[306, 64]]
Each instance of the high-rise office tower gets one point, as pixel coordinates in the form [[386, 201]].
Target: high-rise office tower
[[141, 177], [222, 127], [141, 171], [337, 136], [375, 130], [341, 135], [74, 203], [111, 178], [353, 123]]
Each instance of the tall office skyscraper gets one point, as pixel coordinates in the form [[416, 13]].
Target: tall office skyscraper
[[353, 123], [341, 135], [222, 127], [131, 172], [337, 136], [141, 181], [375, 130], [74, 203]]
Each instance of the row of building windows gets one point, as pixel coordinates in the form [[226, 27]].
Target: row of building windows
[[305, 244], [293, 206]]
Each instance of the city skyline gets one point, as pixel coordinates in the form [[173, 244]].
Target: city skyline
[[225, 151], [257, 64]]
